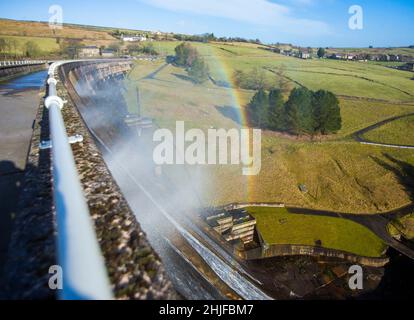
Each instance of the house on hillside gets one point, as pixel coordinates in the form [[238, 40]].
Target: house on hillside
[[136, 38], [394, 57], [335, 56], [89, 52], [288, 53], [304, 55], [108, 53], [275, 50]]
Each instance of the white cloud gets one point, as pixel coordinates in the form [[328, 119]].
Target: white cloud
[[257, 12]]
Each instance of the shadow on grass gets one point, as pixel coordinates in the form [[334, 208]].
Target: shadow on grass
[[398, 279], [230, 113], [402, 170], [184, 77]]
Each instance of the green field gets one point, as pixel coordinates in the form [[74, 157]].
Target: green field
[[400, 131], [46, 45], [347, 78], [339, 173], [46, 37], [278, 226]]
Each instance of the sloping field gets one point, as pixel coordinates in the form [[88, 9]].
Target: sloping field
[[46, 45], [347, 78], [42, 29], [339, 173]]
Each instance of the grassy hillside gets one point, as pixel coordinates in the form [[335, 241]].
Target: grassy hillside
[[46, 45], [346, 78], [278, 226], [48, 39], [42, 29], [340, 173]]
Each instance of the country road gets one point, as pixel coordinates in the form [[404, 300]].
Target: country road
[[359, 135]]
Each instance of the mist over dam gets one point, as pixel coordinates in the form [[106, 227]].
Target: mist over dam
[[160, 204]]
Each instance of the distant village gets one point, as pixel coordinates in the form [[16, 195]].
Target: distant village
[[310, 53], [288, 50]]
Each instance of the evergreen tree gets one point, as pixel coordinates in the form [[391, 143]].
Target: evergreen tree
[[259, 108], [327, 112], [185, 55], [299, 111], [321, 52], [276, 117], [198, 70]]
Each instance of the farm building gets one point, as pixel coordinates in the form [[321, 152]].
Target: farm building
[[108, 53], [136, 38], [304, 55], [89, 52]]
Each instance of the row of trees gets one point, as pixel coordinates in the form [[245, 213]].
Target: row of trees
[[147, 48], [188, 57], [207, 37], [305, 112], [13, 48]]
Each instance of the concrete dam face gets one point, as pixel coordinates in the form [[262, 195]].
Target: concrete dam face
[[98, 91]]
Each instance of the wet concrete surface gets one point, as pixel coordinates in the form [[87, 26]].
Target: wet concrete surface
[[19, 101]]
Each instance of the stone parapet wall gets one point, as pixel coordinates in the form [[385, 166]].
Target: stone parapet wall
[[134, 268]]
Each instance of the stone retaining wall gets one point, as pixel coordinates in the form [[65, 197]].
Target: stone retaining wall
[[268, 251], [301, 250], [9, 72]]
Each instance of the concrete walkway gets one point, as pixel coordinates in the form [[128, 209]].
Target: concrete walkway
[[17, 114]]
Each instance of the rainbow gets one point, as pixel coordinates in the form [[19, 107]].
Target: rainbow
[[226, 73]]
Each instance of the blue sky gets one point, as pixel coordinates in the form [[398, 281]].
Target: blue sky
[[303, 22]]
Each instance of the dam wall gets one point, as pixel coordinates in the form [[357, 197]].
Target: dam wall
[[134, 269], [9, 72]]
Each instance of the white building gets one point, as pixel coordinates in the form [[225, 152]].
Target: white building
[[136, 38]]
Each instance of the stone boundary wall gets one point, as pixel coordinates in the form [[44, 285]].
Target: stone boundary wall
[[233, 206], [10, 72]]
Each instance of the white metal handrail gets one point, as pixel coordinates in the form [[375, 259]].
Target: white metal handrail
[[79, 255], [20, 63]]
